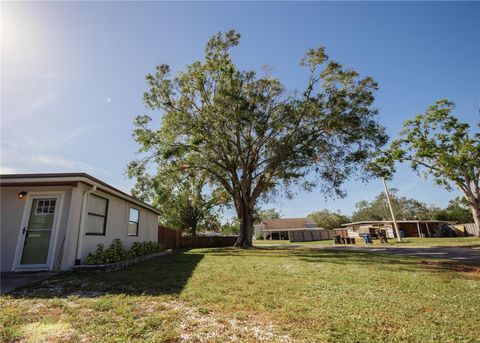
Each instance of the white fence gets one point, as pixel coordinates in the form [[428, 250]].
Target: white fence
[[470, 229]]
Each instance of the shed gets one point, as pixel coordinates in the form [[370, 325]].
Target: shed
[[411, 228]]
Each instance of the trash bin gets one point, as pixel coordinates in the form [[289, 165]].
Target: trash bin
[[367, 238], [352, 240], [336, 239], [347, 239]]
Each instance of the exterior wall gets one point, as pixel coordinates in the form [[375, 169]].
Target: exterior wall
[[12, 208], [354, 231], [11, 212], [117, 226], [71, 235]]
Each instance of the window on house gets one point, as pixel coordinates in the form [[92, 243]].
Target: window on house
[[46, 206], [133, 222], [97, 215]]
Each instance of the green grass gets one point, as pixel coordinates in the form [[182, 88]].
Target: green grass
[[409, 241], [267, 294], [438, 242]]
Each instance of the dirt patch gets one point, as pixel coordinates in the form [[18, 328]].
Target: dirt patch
[[198, 325], [48, 332]]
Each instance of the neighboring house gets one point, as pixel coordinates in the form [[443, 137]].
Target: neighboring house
[[411, 228], [293, 229], [53, 221]]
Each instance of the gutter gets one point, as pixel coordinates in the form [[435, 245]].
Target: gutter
[[81, 226]]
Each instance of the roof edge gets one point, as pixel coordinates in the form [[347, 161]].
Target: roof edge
[[78, 177]]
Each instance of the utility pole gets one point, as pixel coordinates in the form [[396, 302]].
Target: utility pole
[[395, 225]]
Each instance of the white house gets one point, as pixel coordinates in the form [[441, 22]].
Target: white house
[[53, 221]]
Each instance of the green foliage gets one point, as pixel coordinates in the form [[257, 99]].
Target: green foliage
[[116, 252], [404, 208], [328, 219], [457, 210], [270, 213], [251, 137], [182, 198], [231, 227]]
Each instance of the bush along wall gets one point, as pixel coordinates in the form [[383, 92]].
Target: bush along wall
[[116, 252]]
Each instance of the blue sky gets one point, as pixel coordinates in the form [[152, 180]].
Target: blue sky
[[73, 74]]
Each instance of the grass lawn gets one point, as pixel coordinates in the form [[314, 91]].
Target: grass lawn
[[438, 242], [262, 294], [287, 242], [409, 241]]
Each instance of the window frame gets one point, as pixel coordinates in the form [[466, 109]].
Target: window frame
[[98, 215], [132, 222], [42, 207]]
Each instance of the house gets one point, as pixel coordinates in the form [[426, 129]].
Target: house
[[411, 228], [53, 221], [293, 229]]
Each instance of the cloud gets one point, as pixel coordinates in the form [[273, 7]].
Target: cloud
[[7, 170], [107, 99], [60, 162], [37, 103], [79, 131], [27, 92]]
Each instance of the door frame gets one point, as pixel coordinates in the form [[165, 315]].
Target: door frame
[[16, 266]]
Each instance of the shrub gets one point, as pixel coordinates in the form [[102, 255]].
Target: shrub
[[98, 257], [117, 252]]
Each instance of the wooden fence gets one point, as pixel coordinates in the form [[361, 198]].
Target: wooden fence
[[169, 238], [208, 241], [173, 239], [311, 235]]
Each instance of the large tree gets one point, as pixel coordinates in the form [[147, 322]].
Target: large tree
[[437, 144], [252, 137]]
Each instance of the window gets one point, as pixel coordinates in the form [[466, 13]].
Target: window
[[97, 215], [133, 222], [46, 206]]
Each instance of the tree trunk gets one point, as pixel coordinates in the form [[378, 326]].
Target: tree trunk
[[246, 228], [475, 208]]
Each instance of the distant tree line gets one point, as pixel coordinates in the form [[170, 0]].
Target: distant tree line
[[404, 209]]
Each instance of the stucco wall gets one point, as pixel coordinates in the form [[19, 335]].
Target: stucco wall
[[66, 247], [117, 225], [11, 211]]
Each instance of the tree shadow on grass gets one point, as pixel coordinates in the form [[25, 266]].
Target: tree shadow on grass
[[168, 274], [344, 258], [164, 275]]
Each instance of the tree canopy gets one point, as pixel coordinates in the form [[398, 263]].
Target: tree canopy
[[457, 210], [181, 198], [437, 144], [329, 219], [403, 207], [253, 138], [269, 213]]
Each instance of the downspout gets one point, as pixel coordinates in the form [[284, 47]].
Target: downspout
[[81, 226]]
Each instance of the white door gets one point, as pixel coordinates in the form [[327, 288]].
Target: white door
[[35, 248]]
